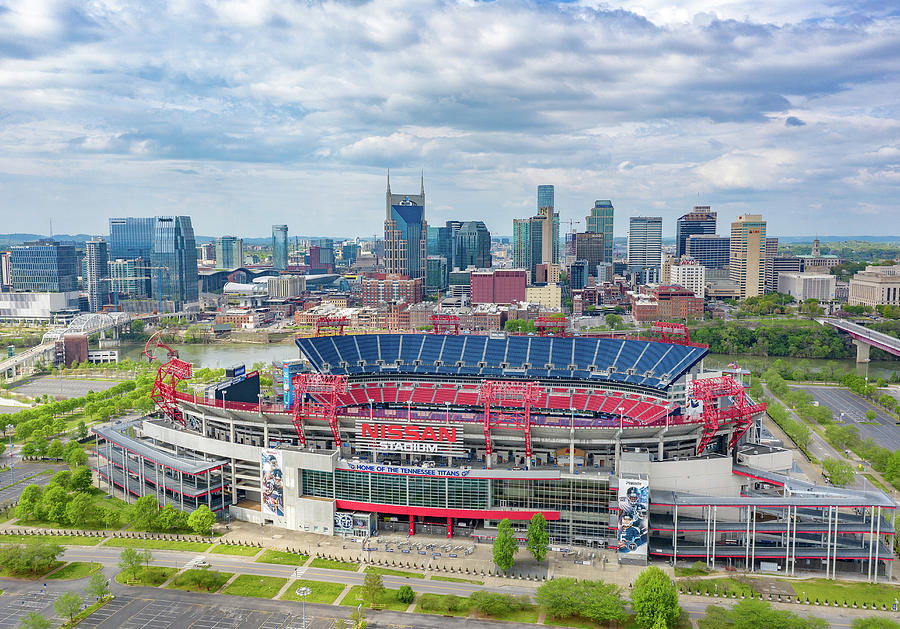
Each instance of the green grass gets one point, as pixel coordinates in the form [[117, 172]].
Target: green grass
[[157, 544], [690, 572], [456, 580], [253, 585], [283, 558], [727, 586], [182, 581], [333, 564], [437, 604], [153, 576], [322, 592], [389, 599], [571, 621], [227, 549], [76, 570], [64, 540], [395, 573], [529, 615], [6, 573], [852, 592]]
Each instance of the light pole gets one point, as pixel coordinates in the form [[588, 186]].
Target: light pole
[[303, 592], [259, 396], [408, 411], [621, 417], [447, 405]]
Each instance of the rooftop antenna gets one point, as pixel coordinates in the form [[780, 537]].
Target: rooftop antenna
[[51, 227]]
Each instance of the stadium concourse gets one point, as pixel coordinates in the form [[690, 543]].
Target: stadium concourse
[[623, 443]]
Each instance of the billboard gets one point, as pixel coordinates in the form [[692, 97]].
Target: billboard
[[634, 513], [424, 438], [271, 483]]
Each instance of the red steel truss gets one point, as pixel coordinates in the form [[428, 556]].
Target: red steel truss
[[316, 395], [152, 343], [515, 399], [671, 332], [168, 376], [552, 325], [740, 412], [331, 326], [444, 324]]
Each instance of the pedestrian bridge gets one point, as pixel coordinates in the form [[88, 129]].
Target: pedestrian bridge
[[89, 323], [864, 338]]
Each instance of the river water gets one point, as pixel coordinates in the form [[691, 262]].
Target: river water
[[227, 354]]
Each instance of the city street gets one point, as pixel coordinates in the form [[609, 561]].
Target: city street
[[886, 433]]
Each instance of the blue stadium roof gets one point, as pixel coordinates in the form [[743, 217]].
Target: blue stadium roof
[[642, 363]]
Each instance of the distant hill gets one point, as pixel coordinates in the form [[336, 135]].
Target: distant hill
[[809, 239], [18, 239]]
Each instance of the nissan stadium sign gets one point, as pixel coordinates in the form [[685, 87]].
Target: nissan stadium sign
[[437, 439]]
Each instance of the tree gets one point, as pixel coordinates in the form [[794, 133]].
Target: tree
[[405, 594], [34, 620], [871, 415], [53, 504], [98, 586], [603, 602], [839, 472], [143, 514], [538, 538], [613, 321], [202, 520], [887, 401], [29, 507], [505, 545], [82, 479], [130, 561], [358, 618], [76, 458], [595, 600], [168, 519], [110, 517], [373, 587], [40, 445], [68, 604], [61, 478], [653, 596], [81, 431], [875, 622], [80, 510], [757, 614], [55, 450]]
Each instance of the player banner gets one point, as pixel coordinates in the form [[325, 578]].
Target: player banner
[[272, 487], [634, 502]]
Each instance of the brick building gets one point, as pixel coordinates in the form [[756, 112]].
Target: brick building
[[498, 286], [385, 288]]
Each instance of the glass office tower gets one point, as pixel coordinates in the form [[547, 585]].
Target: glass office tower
[[600, 221], [130, 238], [43, 266], [279, 247], [174, 260]]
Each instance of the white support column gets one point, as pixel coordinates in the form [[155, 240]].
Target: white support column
[[125, 473], [877, 546], [675, 538], [713, 540], [753, 544], [871, 538], [794, 551], [181, 479], [747, 542], [708, 524]]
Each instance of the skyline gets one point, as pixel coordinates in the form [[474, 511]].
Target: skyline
[[237, 114]]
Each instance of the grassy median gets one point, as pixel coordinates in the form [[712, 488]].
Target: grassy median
[[253, 585]]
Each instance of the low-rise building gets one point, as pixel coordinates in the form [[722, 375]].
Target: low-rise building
[[876, 286], [497, 286], [665, 303], [386, 288], [803, 286], [548, 295], [285, 286], [246, 319]]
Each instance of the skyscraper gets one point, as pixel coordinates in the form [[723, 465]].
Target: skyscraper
[[710, 250], [279, 247], [473, 246], [405, 232], [589, 247], [96, 272], [699, 221], [529, 243], [43, 266], [644, 242], [600, 221], [229, 252], [545, 194], [131, 238], [175, 251], [747, 264]]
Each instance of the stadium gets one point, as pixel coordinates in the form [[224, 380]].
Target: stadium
[[611, 439]]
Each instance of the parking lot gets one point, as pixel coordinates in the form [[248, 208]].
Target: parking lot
[[133, 612], [14, 608], [884, 432], [62, 388]]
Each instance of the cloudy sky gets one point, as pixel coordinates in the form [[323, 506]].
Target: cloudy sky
[[246, 113]]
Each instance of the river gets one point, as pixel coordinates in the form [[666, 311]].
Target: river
[[227, 354], [221, 355]]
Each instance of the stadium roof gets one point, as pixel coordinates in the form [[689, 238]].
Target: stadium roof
[[642, 363]]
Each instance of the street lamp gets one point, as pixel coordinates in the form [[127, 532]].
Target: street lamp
[[303, 592]]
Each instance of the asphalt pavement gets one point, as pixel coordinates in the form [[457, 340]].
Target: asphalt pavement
[[21, 471], [62, 388], [884, 432]]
